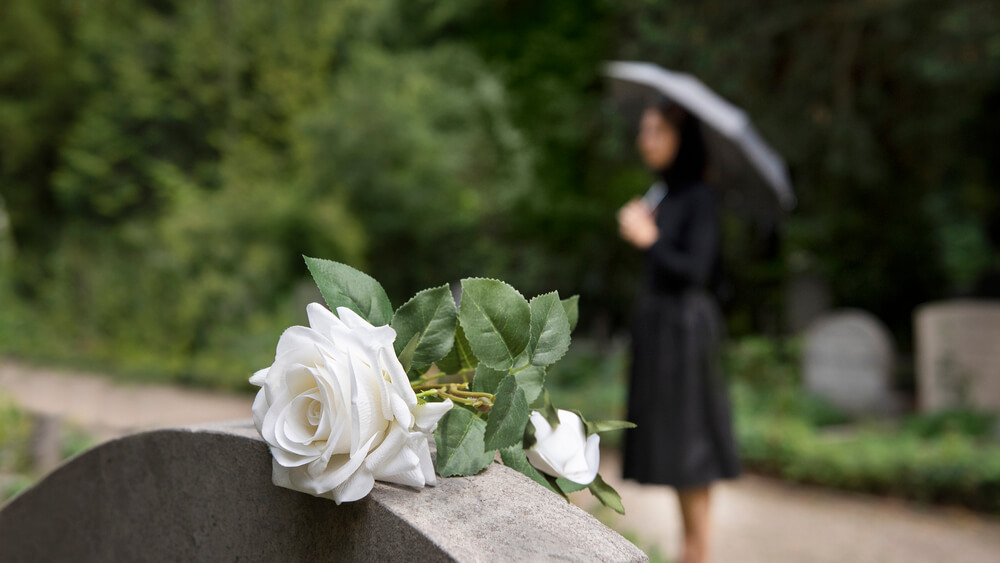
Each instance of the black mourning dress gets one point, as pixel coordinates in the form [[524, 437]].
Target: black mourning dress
[[677, 397]]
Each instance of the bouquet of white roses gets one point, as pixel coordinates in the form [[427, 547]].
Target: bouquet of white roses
[[354, 397]]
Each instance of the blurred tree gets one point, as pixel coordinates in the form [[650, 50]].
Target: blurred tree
[[870, 103], [164, 163], [422, 145]]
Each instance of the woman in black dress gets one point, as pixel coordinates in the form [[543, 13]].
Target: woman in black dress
[[677, 397]]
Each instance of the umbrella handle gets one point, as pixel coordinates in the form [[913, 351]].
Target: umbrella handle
[[655, 194]]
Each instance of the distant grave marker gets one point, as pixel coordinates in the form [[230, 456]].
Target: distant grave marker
[[848, 361], [958, 355]]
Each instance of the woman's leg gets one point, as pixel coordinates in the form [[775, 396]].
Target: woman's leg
[[694, 511]]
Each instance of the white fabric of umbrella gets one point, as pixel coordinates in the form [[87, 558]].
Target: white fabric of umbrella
[[751, 172]]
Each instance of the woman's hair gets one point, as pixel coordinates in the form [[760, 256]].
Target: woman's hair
[[692, 158]]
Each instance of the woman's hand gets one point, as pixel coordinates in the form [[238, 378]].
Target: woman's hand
[[636, 224]]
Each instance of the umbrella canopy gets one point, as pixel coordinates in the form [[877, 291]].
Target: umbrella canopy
[[752, 175]]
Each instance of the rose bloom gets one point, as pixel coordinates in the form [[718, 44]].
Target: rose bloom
[[338, 411], [567, 451]]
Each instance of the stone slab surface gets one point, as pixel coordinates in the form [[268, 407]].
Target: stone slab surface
[[848, 361], [205, 494], [958, 354]]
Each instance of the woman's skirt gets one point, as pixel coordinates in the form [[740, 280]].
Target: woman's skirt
[[677, 395]]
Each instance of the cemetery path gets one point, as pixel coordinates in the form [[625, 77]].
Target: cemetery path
[[108, 409], [756, 519]]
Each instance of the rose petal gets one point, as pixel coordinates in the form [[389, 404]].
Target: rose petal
[[324, 477], [365, 420], [541, 463], [259, 377], [338, 412], [300, 338], [422, 450], [427, 415], [324, 321], [401, 383], [355, 488], [565, 451], [259, 408]]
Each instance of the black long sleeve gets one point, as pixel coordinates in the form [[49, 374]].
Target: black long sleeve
[[687, 251]]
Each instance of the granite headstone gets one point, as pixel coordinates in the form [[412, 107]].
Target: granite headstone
[[205, 494], [958, 355], [848, 361]]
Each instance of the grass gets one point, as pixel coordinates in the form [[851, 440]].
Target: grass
[[17, 468]]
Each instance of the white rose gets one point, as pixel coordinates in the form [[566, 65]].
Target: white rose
[[566, 451], [338, 411]]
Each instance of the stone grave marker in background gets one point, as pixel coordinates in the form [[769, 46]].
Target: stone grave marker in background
[[848, 361], [205, 494], [958, 354]]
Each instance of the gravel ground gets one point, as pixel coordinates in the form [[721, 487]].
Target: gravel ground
[[756, 519]]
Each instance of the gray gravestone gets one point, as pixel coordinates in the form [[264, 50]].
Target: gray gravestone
[[958, 355], [205, 494], [848, 361]]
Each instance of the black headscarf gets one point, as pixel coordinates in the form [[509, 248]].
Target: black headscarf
[[692, 158]]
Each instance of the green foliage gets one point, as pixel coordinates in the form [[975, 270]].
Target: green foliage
[[432, 317], [487, 379], [343, 286], [964, 422], [420, 144], [873, 133], [549, 330], [496, 320], [460, 445], [949, 467], [596, 427], [460, 359], [15, 438], [508, 417], [607, 495], [161, 163], [572, 307], [16, 433], [531, 380], [515, 458], [764, 362]]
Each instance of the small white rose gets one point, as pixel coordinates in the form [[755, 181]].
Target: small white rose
[[338, 411], [566, 451]]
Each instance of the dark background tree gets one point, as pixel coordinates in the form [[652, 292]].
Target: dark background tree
[[164, 164]]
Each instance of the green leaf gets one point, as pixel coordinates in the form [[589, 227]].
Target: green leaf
[[496, 320], [549, 330], [554, 484], [568, 486], [487, 379], [406, 356], [431, 316], [514, 458], [508, 417], [529, 435], [543, 404], [460, 358], [459, 439], [607, 495], [343, 286], [531, 380], [571, 306], [607, 426]]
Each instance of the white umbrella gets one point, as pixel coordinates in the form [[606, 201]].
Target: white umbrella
[[752, 174]]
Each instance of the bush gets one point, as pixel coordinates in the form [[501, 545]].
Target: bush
[[946, 467], [15, 437]]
